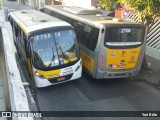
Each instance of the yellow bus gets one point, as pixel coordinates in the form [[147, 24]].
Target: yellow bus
[[109, 47], [47, 45]]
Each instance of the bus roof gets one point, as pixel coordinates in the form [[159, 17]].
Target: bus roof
[[81, 11], [83, 14], [31, 20]]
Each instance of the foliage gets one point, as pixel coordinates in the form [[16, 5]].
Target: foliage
[[147, 10], [108, 4]]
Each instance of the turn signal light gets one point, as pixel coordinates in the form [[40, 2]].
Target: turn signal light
[[39, 75], [100, 61], [79, 65]]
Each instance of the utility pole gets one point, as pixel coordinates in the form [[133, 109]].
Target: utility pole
[[18, 1], [1, 4]]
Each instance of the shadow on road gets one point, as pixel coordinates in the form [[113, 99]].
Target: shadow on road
[[96, 89]]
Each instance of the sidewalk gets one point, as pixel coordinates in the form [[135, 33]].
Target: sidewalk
[[153, 74], [14, 5]]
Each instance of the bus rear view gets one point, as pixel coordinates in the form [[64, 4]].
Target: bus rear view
[[122, 51]]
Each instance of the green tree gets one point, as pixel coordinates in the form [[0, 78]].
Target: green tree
[[147, 11], [108, 4]]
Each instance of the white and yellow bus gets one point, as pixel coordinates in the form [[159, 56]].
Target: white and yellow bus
[[109, 47], [47, 45]]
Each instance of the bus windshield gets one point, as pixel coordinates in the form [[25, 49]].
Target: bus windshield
[[54, 49], [118, 36]]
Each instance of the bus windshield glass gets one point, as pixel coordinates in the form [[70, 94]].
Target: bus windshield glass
[[54, 49], [118, 36]]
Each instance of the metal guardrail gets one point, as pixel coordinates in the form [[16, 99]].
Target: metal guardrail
[[153, 37]]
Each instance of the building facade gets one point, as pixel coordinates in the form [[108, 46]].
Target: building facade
[[80, 3]]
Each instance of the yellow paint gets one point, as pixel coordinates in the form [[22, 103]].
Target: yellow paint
[[29, 66], [23, 28], [121, 58], [87, 61], [71, 59], [49, 74], [53, 73]]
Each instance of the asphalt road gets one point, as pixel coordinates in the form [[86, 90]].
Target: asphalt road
[[88, 94]]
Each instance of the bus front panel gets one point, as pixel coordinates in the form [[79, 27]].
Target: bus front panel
[[55, 57]]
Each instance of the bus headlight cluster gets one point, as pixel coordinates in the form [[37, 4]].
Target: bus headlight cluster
[[39, 75], [79, 65]]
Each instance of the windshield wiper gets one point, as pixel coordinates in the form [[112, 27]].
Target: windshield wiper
[[53, 58], [61, 53]]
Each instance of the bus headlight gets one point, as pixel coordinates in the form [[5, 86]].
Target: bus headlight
[[79, 65], [39, 75]]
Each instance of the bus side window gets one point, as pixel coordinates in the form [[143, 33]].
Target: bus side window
[[16, 31], [57, 15], [83, 38], [27, 48], [89, 36], [25, 44], [11, 20], [22, 39], [19, 34], [46, 11], [93, 37], [62, 17], [52, 13], [13, 29], [78, 26], [67, 19]]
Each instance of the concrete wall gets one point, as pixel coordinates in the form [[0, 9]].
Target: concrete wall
[[80, 3], [17, 94], [49, 2], [94, 2]]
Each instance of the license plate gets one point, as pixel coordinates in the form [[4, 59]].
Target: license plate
[[61, 79]]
